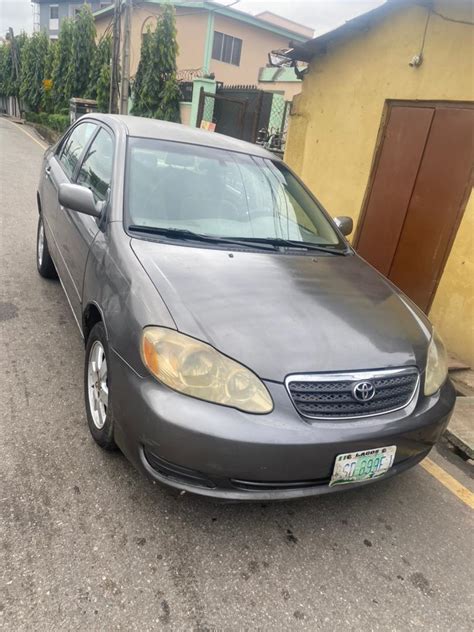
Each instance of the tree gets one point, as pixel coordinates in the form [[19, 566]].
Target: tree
[[5, 69], [83, 50], [167, 48], [139, 107], [100, 61], [151, 86], [9, 80], [103, 88], [48, 77], [156, 90], [62, 91], [33, 66]]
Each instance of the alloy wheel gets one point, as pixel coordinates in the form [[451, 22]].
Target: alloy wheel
[[40, 249], [97, 385]]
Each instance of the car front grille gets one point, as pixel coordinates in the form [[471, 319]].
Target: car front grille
[[338, 395]]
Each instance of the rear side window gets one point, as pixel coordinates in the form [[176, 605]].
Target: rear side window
[[96, 170], [74, 146]]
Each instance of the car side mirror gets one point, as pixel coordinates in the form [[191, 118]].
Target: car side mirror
[[345, 224], [80, 199]]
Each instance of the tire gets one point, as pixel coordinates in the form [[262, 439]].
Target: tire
[[44, 263], [100, 417]]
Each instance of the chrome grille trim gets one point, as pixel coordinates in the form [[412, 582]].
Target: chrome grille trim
[[321, 380]]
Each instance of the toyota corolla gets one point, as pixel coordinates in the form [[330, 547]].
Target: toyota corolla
[[236, 346]]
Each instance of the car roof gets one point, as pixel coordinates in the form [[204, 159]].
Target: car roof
[[163, 130]]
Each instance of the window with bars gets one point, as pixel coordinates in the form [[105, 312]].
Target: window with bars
[[226, 48]]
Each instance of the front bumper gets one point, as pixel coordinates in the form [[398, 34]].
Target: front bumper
[[221, 452]]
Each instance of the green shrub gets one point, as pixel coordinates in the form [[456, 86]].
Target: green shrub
[[32, 117], [58, 122]]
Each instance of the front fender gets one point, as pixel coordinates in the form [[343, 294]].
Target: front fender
[[118, 285]]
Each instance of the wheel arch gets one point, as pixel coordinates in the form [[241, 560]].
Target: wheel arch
[[92, 315]]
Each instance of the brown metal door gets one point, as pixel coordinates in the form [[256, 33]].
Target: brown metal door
[[419, 185]]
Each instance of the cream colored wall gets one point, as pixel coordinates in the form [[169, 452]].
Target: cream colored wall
[[279, 20], [191, 26], [336, 119], [289, 90], [256, 44], [185, 113]]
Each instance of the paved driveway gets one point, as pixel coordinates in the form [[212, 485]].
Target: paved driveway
[[88, 544]]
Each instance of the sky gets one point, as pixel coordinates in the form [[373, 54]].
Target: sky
[[322, 15]]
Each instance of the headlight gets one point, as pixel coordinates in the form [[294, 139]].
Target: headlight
[[436, 365], [197, 369]]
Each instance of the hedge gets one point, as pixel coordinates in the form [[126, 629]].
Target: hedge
[[57, 122]]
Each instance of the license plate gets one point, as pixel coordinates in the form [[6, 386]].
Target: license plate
[[363, 465]]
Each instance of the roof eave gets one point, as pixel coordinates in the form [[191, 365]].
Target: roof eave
[[318, 45]]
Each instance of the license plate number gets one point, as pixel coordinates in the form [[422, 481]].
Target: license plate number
[[362, 465]]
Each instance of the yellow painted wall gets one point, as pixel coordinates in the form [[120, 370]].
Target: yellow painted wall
[[453, 308], [336, 119], [191, 26]]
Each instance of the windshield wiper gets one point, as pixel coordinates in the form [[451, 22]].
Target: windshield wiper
[[185, 234], [266, 242], [279, 242]]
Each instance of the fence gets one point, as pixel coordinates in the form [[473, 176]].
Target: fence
[[10, 106]]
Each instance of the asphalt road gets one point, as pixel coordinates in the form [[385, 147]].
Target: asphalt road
[[89, 544]]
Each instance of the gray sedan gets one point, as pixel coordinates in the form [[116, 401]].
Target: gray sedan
[[236, 346]]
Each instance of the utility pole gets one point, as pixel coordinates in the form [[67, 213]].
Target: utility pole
[[125, 90], [115, 71], [16, 67]]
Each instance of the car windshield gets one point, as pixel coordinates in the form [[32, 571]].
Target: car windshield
[[181, 189]]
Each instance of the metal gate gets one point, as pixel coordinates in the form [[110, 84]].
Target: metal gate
[[237, 111]]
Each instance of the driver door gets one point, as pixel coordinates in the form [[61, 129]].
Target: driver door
[[79, 230], [61, 168]]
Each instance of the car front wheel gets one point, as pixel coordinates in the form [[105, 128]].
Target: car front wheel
[[96, 389], [44, 262]]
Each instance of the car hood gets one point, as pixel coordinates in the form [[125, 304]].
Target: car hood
[[282, 313]]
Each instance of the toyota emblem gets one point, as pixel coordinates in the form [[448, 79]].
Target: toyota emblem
[[363, 391]]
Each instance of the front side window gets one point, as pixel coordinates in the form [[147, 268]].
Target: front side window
[[96, 169], [226, 48], [74, 145], [218, 193]]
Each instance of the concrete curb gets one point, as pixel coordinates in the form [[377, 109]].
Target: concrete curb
[[460, 431], [48, 135]]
